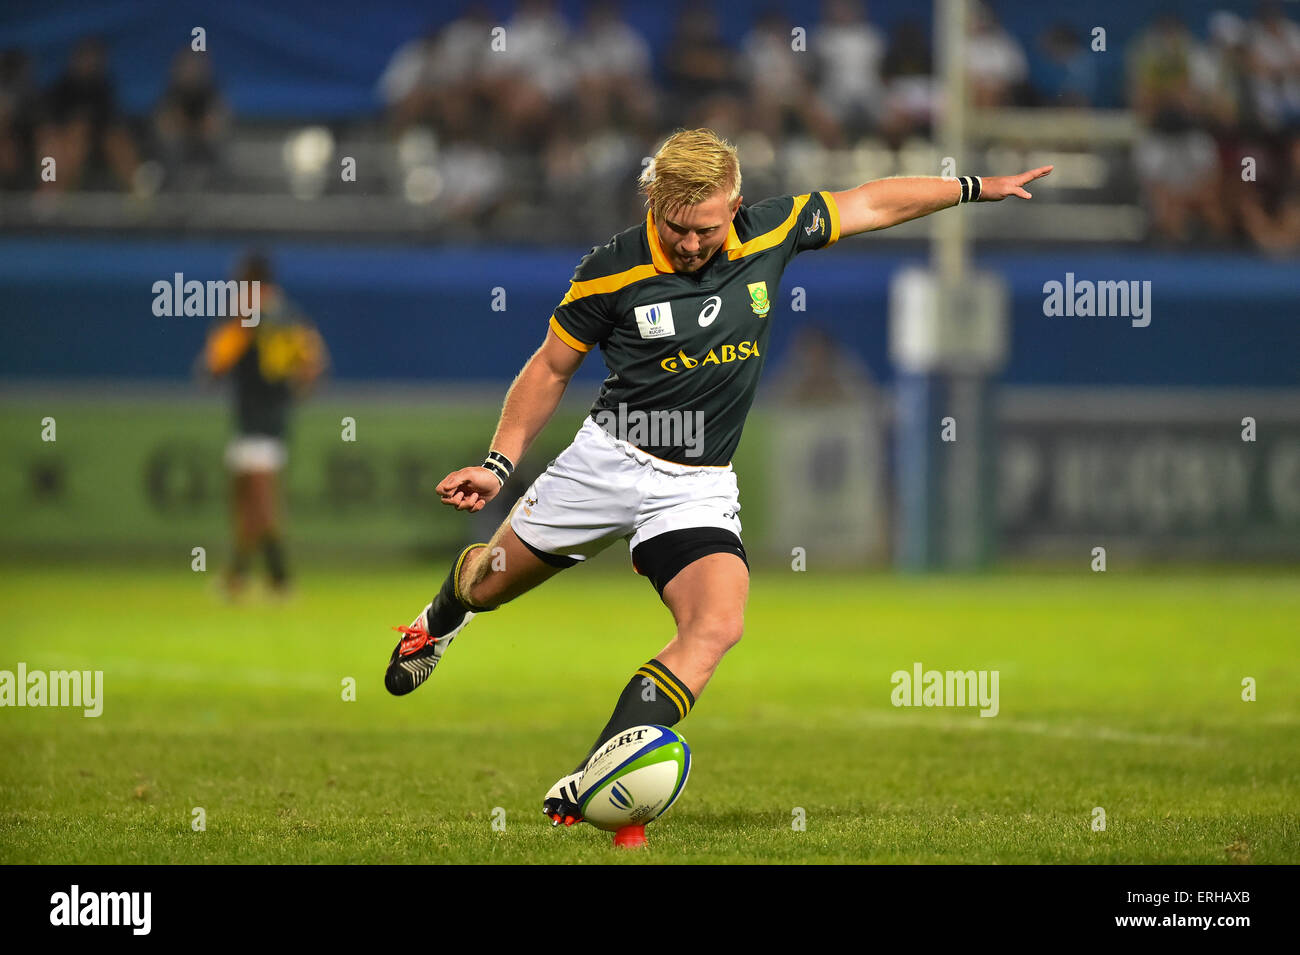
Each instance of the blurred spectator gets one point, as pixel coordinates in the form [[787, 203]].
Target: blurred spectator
[[613, 73], [1065, 74], [909, 84], [1176, 158], [1159, 73], [1275, 59], [593, 148], [701, 69], [190, 120], [995, 61], [535, 131], [531, 78], [1271, 213], [782, 102], [83, 131], [724, 113], [20, 103], [474, 182], [408, 85], [849, 53], [1221, 78], [1220, 75], [441, 72]]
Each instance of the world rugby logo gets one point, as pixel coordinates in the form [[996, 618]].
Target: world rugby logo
[[655, 321]]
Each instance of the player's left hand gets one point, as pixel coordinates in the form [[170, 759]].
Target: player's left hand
[[997, 188]]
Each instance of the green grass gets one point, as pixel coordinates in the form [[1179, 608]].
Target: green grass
[[1118, 691]]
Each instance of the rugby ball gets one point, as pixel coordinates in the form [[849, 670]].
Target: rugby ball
[[634, 777]]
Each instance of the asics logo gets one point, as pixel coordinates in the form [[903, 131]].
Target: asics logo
[[712, 305]]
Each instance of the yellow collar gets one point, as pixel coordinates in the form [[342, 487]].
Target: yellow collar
[[660, 258]]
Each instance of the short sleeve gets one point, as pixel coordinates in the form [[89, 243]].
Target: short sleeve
[[585, 317], [793, 224], [225, 346], [817, 224]]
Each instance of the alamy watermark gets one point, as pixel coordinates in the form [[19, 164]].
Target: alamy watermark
[[75, 907], [1085, 299], [83, 688], [655, 429], [946, 688], [211, 299]]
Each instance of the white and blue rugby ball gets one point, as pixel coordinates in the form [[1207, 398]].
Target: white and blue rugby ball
[[634, 777]]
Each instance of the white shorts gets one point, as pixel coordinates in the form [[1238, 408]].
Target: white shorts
[[601, 489], [255, 452]]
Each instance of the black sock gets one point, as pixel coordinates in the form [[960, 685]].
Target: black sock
[[449, 607], [653, 696], [275, 563]]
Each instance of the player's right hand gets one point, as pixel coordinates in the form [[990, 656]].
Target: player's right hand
[[469, 488]]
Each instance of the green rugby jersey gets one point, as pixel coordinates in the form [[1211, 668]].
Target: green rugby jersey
[[685, 350]]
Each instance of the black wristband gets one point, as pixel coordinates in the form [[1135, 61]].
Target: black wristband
[[971, 187], [499, 465]]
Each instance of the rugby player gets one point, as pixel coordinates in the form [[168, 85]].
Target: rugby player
[[681, 307], [270, 364]]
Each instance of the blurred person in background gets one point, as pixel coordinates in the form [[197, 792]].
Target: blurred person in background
[[996, 67], [83, 130], [409, 83], [476, 186], [726, 113], [1271, 213], [1176, 158], [849, 52], [909, 85], [610, 126], [532, 78], [270, 365], [425, 68], [20, 105], [613, 65], [1065, 74], [1220, 75], [1221, 79], [190, 120], [440, 74], [782, 100], [1275, 66], [701, 71]]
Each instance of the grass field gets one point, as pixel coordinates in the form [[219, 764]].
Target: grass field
[[1116, 691]]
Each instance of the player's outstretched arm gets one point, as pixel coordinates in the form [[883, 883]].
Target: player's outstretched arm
[[529, 404], [882, 203]]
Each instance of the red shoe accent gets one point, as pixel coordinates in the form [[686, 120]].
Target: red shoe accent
[[416, 638], [630, 837]]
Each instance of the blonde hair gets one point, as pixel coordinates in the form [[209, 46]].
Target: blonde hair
[[689, 167]]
